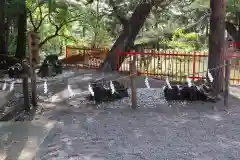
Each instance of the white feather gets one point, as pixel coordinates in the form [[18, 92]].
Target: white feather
[[189, 81], [4, 86], [112, 87], [90, 89], [210, 76], [164, 87], [12, 86], [168, 83], [45, 86], [198, 88], [147, 82], [70, 90], [178, 87]]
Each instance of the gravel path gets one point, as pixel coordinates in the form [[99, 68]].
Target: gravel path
[[154, 131], [12, 98]]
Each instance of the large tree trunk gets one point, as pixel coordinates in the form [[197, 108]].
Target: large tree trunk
[[217, 42], [126, 39], [21, 37], [2, 27], [7, 26], [21, 50]]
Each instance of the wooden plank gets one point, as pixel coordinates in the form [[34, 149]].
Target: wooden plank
[[26, 93], [34, 87], [133, 75], [227, 78]]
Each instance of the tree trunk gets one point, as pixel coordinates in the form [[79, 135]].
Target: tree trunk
[[2, 27], [126, 39], [21, 37], [21, 50], [7, 27], [217, 42]]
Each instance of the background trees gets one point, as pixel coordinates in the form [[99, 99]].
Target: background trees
[[2, 28], [78, 22], [166, 24]]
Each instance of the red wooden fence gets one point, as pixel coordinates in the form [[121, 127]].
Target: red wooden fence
[[175, 65]]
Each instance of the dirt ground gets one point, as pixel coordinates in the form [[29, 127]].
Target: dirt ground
[[114, 131]]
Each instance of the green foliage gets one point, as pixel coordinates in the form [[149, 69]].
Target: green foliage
[[83, 25], [60, 23], [233, 5], [191, 36], [76, 24], [185, 41]]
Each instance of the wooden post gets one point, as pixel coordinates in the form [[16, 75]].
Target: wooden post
[[34, 86], [133, 74], [227, 77], [33, 41], [26, 93], [227, 71], [194, 65]]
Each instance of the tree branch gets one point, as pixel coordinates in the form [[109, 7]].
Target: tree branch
[[123, 20], [47, 39], [36, 26], [68, 37], [58, 28], [199, 21], [89, 2], [50, 21], [162, 4], [41, 19], [31, 19]]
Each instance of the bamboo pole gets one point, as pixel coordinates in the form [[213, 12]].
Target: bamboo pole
[[133, 74], [227, 77]]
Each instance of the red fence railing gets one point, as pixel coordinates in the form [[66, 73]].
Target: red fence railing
[[84, 57], [175, 65], [72, 50]]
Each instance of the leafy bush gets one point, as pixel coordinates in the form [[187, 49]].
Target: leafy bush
[[185, 41]]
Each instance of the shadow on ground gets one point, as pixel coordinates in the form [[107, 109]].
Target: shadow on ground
[[194, 131], [115, 131]]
